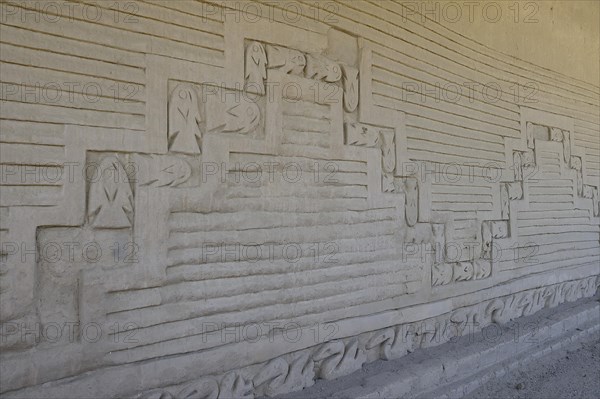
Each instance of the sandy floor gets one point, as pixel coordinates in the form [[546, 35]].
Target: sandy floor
[[570, 373]]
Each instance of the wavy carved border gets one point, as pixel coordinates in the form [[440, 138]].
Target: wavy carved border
[[298, 370]]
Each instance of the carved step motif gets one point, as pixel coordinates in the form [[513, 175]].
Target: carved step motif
[[549, 133], [363, 135], [261, 57], [319, 67], [523, 166]]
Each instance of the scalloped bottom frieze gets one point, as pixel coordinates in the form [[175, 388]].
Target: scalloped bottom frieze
[[334, 359]]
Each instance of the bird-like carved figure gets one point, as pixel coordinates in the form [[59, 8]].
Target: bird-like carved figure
[[256, 67]]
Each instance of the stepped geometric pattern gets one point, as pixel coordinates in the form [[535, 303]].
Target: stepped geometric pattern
[[251, 205]]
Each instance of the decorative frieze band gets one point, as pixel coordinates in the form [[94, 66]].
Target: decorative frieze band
[[337, 358]]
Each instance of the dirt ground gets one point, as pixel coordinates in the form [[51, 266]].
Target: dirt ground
[[569, 373]]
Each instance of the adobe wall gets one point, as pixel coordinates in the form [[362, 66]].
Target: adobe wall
[[197, 199]]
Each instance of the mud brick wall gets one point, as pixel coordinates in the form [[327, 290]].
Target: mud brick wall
[[233, 199]]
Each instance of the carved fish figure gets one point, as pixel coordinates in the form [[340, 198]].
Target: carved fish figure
[[350, 86], [184, 133], [243, 117], [578, 166], [486, 240], [483, 268], [566, 146], [161, 170], [556, 134], [110, 199], [411, 201], [321, 68], [530, 135], [388, 151], [286, 60], [463, 271], [518, 166], [441, 274], [256, 67], [515, 190], [361, 135]]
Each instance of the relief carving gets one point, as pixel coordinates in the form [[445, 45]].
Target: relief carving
[[461, 320], [577, 165], [361, 135], [261, 56], [229, 111], [184, 133], [319, 67], [591, 192], [411, 200], [234, 385], [256, 67], [495, 311], [439, 241], [504, 201], [156, 394], [523, 304], [463, 271], [350, 86], [336, 359], [528, 158], [482, 269], [530, 135], [204, 388], [110, 203], [491, 229], [392, 343], [285, 60], [518, 165], [556, 134], [441, 274], [388, 151], [499, 228], [420, 233], [161, 170], [388, 183], [446, 273], [486, 241], [368, 136], [388, 158], [243, 117], [566, 146], [515, 190], [383, 340], [279, 376]]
